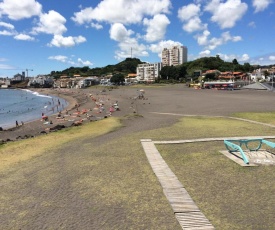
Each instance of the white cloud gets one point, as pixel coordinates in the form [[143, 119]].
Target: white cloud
[[126, 43], [60, 41], [205, 53], [157, 48], [96, 26], [60, 58], [226, 14], [261, 5], [65, 59], [203, 38], [271, 58], [252, 24], [84, 63], [17, 10], [190, 16], [228, 58], [214, 42], [185, 13], [4, 66], [7, 25], [8, 32], [119, 33], [122, 11], [156, 27], [244, 57], [51, 23], [194, 24], [24, 37]]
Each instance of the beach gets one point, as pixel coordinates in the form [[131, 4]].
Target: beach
[[94, 103], [105, 181], [84, 105]]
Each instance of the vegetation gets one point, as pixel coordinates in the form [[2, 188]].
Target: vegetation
[[27, 149], [117, 79], [178, 73], [117, 174], [125, 67]]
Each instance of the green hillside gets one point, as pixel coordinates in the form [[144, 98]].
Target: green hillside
[[125, 67]]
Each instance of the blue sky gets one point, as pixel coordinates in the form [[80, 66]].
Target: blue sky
[[50, 35]]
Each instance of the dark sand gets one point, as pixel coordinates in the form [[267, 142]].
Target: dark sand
[[176, 99], [49, 192]]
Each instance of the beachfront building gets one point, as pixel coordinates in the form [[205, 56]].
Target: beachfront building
[[131, 78], [176, 55], [257, 75], [148, 72], [41, 81], [19, 77]]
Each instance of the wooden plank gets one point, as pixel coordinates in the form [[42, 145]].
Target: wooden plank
[[185, 209]]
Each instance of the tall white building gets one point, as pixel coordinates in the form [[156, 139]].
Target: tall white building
[[176, 55], [148, 72]]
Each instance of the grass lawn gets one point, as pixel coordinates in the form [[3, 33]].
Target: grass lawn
[[268, 118], [116, 178], [231, 196]]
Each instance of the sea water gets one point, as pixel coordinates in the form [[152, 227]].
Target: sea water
[[25, 105]]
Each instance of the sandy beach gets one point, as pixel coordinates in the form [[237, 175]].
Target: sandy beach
[[85, 105], [105, 182], [91, 104]]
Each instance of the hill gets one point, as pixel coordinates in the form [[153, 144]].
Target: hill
[[125, 67]]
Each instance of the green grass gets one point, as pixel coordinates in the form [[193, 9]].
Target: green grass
[[204, 127], [268, 117], [15, 152], [116, 175]]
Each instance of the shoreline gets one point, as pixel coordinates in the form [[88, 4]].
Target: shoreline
[[84, 105], [40, 93]]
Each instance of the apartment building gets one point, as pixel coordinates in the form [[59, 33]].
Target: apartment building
[[148, 72], [176, 55]]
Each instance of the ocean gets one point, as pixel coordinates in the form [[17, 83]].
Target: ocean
[[18, 105]]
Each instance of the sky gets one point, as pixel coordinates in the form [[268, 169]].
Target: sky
[[40, 36]]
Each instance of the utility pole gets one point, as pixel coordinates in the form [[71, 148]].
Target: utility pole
[[131, 52]]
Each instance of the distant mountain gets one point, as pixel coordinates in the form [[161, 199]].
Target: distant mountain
[[125, 67]]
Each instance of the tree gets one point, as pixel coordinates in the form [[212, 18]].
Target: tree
[[210, 76], [182, 71], [235, 62], [169, 72], [164, 72], [247, 67], [117, 79]]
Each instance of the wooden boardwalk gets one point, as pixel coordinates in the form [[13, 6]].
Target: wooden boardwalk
[[186, 211]]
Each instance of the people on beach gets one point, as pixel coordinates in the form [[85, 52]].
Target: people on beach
[[16, 123]]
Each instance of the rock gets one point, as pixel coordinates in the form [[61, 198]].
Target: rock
[[1, 129], [57, 127], [43, 132]]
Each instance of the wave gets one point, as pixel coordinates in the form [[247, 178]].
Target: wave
[[37, 94]]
